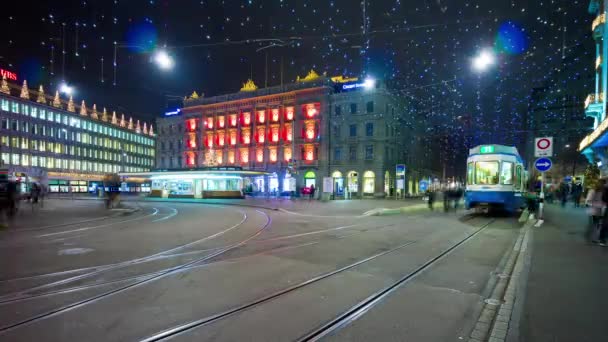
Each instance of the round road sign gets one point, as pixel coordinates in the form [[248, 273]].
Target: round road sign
[[543, 144]]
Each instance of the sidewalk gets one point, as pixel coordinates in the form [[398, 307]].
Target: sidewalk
[[567, 289]]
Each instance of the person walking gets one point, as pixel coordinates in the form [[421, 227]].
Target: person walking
[[577, 190], [430, 198], [603, 233], [563, 190], [312, 191], [596, 206]]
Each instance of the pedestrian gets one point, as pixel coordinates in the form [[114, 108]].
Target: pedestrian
[[577, 190], [563, 190], [603, 233], [430, 198], [596, 206], [312, 191]]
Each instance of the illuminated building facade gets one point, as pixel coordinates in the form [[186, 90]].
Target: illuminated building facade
[[594, 146], [285, 131], [66, 146]]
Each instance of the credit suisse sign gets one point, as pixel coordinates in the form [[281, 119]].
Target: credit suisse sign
[[8, 74]]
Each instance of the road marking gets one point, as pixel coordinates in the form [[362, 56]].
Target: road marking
[[100, 226]]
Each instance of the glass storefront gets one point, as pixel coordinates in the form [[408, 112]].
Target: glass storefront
[[310, 179], [369, 182]]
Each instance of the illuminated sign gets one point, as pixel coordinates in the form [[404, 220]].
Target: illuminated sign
[[8, 74], [487, 149], [175, 112], [352, 86]]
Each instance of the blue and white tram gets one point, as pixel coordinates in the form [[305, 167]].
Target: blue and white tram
[[496, 178]]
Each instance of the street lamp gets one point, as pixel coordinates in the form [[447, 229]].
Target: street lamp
[[484, 60], [66, 89], [163, 60]]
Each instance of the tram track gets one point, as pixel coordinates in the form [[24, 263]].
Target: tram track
[[161, 275], [110, 267], [348, 316], [262, 252]]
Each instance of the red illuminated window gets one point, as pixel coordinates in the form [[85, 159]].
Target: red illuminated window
[[246, 136], [274, 134], [231, 156], [209, 140], [232, 138], [192, 141], [233, 120], [288, 132], [309, 152], [259, 155], [261, 135], [274, 115], [309, 130], [221, 122], [221, 140], [191, 159], [287, 153], [288, 113], [246, 118], [272, 154], [310, 110], [261, 116], [191, 125], [244, 155], [219, 157], [209, 122]]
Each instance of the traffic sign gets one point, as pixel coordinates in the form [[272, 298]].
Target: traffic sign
[[424, 185], [543, 164], [400, 169], [543, 147]]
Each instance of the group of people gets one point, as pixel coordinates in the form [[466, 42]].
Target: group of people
[[451, 198]]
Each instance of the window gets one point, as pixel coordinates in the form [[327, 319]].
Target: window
[[369, 152], [369, 129], [336, 131], [353, 108], [518, 177], [486, 173], [471, 173], [338, 110], [352, 153], [353, 130], [5, 123], [5, 105], [50, 116], [15, 159], [370, 106], [338, 154], [15, 125], [506, 173], [15, 107]]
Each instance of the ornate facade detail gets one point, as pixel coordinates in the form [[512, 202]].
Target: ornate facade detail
[[56, 100], [25, 92], [94, 112], [4, 88], [83, 108], [249, 86], [312, 75], [71, 107], [41, 98]]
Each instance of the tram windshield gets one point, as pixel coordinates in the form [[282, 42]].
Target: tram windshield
[[486, 172]]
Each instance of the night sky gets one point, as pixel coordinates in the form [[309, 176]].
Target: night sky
[[422, 48]]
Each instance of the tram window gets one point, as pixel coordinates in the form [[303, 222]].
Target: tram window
[[470, 173], [486, 173], [506, 173], [518, 177]]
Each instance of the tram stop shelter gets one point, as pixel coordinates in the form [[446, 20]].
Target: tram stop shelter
[[218, 182]]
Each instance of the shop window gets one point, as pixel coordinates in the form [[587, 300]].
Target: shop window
[[310, 110], [288, 132], [246, 136], [309, 152], [272, 155], [244, 155], [231, 157], [309, 132], [232, 138], [369, 182], [274, 134], [221, 140], [261, 135], [209, 122], [192, 125]]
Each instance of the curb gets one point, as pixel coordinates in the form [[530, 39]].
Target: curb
[[494, 320]]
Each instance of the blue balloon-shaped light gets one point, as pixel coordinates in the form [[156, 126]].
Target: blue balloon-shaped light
[[142, 37], [511, 38]]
